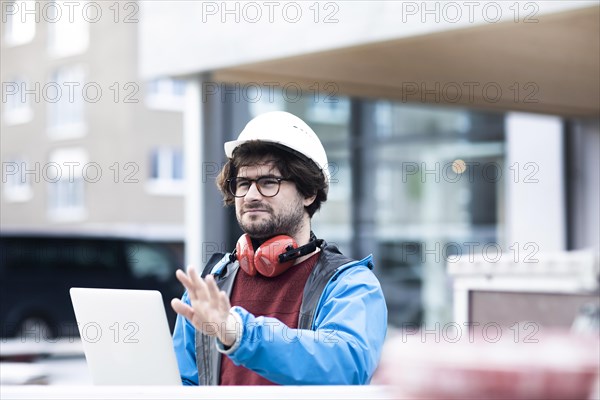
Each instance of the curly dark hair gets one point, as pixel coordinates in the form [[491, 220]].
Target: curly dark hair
[[307, 176]]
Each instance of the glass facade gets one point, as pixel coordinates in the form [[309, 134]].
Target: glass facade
[[435, 196], [416, 186]]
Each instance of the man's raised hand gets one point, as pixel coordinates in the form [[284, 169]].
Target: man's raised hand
[[209, 311]]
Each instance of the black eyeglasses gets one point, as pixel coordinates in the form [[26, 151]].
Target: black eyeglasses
[[268, 186]]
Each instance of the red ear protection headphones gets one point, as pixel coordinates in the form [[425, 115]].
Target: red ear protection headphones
[[273, 257]]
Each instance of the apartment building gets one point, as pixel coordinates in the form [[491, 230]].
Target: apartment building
[[86, 145]]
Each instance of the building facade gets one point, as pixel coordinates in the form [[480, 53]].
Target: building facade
[[86, 144], [450, 126]]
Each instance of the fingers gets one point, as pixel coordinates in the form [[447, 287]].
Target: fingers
[[203, 293], [183, 309], [193, 275], [221, 300], [198, 285], [207, 302], [184, 279], [213, 290], [194, 285], [224, 305]]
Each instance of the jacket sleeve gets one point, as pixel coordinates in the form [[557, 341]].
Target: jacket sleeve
[[184, 342], [344, 347]]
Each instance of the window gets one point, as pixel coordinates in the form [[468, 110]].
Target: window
[[166, 171], [19, 18], [64, 94], [16, 180], [166, 94], [330, 119], [391, 120], [17, 107], [412, 184], [327, 109], [433, 180], [66, 191], [260, 101], [68, 31]]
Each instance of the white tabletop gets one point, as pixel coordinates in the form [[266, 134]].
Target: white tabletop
[[372, 392]]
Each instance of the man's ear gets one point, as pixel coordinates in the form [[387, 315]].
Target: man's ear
[[309, 200]]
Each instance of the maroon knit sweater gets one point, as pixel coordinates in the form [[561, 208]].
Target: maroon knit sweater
[[278, 297]]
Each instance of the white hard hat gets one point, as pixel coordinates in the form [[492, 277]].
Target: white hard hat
[[287, 130]]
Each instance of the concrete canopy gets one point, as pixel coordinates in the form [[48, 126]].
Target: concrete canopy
[[551, 66]]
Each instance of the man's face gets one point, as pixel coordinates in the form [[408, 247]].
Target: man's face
[[264, 217]]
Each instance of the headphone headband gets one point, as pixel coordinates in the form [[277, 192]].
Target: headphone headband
[[308, 248]]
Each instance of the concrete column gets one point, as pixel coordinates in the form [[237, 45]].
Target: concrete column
[[535, 203]]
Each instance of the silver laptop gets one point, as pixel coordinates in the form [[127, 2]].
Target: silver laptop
[[125, 336]]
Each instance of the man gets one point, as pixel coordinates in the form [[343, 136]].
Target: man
[[302, 312]]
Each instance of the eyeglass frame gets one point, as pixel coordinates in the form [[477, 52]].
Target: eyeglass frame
[[279, 179]]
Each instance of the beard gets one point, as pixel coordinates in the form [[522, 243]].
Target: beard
[[287, 222]]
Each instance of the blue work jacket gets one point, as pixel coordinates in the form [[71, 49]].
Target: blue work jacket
[[339, 343]]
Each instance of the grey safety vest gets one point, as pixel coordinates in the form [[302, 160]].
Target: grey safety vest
[[208, 359]]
